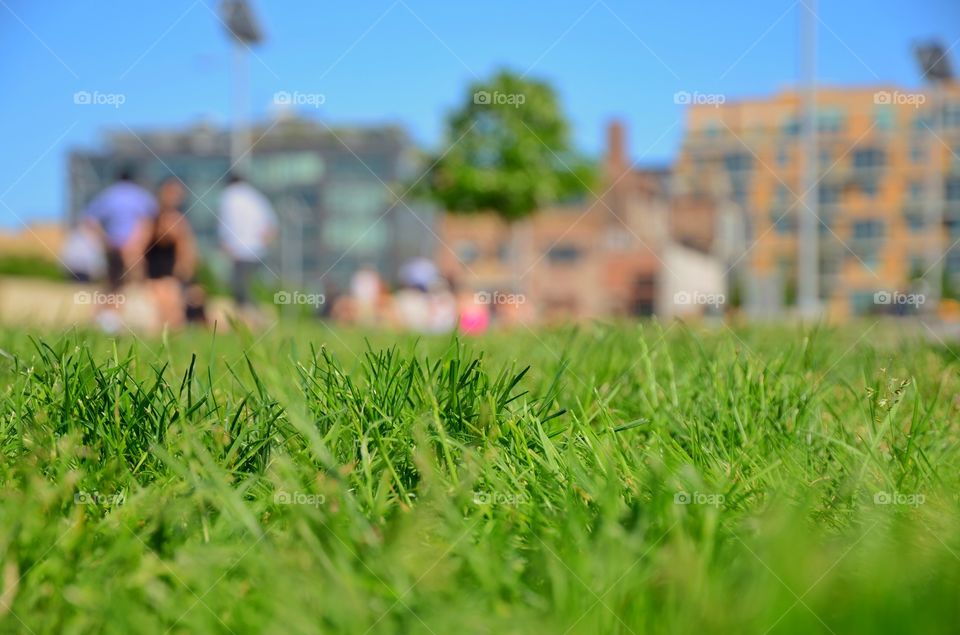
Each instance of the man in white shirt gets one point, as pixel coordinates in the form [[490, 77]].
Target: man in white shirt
[[247, 226]]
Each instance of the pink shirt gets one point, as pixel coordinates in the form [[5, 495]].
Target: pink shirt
[[474, 320]]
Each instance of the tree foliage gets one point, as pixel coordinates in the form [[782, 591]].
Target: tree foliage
[[508, 150]]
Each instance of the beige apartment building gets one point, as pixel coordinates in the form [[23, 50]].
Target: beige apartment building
[[887, 191]]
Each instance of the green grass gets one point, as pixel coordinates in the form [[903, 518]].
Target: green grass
[[610, 479], [30, 266]]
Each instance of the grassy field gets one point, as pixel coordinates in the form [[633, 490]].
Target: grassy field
[[606, 479]]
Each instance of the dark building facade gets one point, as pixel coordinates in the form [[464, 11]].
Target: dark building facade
[[336, 191]]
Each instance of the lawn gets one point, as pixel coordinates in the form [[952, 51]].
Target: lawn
[[600, 479]]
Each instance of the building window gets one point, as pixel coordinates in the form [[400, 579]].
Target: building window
[[917, 153], [952, 263], [784, 222], [351, 210], [885, 116], [791, 127], [285, 169], [739, 193], [914, 221], [951, 116], [861, 302], [563, 254], [346, 165], [830, 120], [868, 158], [830, 265], [503, 252], [828, 194], [737, 161], [952, 190], [366, 199], [867, 229], [869, 187]]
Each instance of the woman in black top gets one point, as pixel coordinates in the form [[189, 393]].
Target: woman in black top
[[161, 259], [171, 253]]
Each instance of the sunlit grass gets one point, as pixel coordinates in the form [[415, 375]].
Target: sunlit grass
[[631, 478]]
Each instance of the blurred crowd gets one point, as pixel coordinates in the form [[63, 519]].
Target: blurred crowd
[[424, 302], [141, 245]]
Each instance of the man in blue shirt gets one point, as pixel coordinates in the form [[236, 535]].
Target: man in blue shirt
[[122, 214]]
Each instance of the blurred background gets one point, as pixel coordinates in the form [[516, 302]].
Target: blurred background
[[506, 163]]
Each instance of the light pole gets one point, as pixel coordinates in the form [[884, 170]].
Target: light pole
[[244, 30], [808, 300], [935, 68]]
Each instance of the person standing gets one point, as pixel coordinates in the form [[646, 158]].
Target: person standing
[[122, 215], [171, 254], [247, 226]]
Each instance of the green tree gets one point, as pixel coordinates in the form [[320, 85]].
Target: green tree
[[508, 152]]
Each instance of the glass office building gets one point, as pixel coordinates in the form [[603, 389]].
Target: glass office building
[[336, 192]]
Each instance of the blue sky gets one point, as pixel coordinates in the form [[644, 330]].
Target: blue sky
[[408, 62]]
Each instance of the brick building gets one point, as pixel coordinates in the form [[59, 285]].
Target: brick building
[[602, 257]]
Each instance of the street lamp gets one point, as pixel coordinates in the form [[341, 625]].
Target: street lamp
[[243, 30], [935, 68], [808, 278], [933, 61]]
